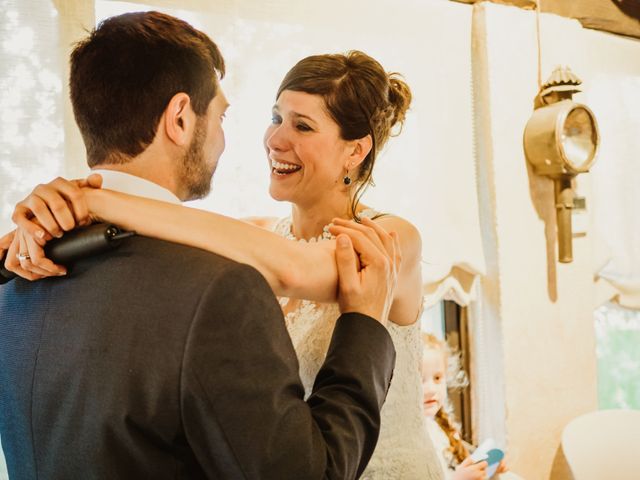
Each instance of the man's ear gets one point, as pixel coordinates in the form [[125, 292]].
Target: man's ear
[[179, 119], [359, 149]]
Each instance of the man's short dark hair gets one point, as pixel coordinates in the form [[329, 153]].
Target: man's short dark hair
[[126, 72]]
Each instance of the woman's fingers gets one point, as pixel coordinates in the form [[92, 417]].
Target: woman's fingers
[[12, 262], [339, 226], [384, 236], [40, 263], [72, 193], [32, 215], [24, 257], [58, 206], [5, 241]]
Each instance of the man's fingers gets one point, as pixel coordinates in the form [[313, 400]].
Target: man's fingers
[[347, 265], [368, 252]]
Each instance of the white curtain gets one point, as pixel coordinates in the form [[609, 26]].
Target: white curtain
[[31, 126], [615, 100]]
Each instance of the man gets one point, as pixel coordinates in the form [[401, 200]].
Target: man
[[161, 361]]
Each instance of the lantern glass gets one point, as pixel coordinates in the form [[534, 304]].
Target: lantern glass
[[579, 138]]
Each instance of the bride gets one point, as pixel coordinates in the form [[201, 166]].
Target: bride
[[333, 114]]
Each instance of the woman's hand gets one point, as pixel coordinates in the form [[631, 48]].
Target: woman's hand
[[54, 208], [468, 470], [47, 212], [26, 259]]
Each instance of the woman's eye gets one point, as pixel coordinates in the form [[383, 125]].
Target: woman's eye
[[276, 119], [303, 127]]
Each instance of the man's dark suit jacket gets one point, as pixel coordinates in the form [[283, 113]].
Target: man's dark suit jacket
[[158, 361]]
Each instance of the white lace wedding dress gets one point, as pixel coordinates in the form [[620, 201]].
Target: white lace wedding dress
[[404, 450]]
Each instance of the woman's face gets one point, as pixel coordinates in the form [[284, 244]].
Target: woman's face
[[307, 156], [434, 384]]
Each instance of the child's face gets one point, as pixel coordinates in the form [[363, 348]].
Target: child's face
[[434, 384]]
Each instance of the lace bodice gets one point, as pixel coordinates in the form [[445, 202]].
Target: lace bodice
[[404, 450]]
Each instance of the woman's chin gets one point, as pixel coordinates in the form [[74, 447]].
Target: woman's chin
[[277, 193]]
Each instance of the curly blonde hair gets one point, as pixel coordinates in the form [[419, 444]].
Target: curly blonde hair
[[456, 379]]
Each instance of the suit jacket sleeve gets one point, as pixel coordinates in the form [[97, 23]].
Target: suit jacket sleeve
[[242, 400]]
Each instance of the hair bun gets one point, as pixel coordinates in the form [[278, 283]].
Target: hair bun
[[399, 99]]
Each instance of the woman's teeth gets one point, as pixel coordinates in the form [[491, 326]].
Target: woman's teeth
[[284, 168]]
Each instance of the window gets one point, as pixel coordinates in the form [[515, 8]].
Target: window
[[618, 356]]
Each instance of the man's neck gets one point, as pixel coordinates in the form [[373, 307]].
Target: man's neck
[[123, 181], [159, 176]]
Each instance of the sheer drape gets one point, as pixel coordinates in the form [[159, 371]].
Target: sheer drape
[[616, 176], [31, 127]]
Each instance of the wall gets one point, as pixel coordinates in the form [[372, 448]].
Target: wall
[[542, 310]]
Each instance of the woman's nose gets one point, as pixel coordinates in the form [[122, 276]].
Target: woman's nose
[[276, 138]]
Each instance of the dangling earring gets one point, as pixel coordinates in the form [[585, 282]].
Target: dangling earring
[[347, 179]]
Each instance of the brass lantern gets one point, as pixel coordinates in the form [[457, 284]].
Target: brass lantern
[[561, 141]]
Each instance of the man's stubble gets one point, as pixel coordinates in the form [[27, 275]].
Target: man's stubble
[[193, 172]]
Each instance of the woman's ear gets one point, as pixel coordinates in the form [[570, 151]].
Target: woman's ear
[[179, 119], [360, 148]]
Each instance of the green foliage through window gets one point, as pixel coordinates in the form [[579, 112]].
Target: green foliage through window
[[618, 354]]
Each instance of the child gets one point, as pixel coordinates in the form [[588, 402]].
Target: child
[[437, 362]]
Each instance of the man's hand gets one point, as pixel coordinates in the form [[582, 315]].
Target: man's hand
[[368, 260], [54, 208]]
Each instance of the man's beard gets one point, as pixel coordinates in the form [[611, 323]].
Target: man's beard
[[193, 172]]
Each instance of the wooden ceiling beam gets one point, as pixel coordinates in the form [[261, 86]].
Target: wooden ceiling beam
[[621, 17]]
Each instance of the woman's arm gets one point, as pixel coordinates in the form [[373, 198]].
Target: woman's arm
[[292, 269]]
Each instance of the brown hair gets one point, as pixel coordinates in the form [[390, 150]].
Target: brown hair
[[361, 98], [455, 379], [126, 72]]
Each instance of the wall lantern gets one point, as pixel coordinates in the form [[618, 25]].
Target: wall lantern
[[561, 141]]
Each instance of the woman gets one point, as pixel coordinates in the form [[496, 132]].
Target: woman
[[333, 113]]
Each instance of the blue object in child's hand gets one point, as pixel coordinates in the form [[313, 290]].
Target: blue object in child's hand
[[487, 452], [494, 456]]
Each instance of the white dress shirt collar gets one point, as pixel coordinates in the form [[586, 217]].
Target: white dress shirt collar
[[132, 185]]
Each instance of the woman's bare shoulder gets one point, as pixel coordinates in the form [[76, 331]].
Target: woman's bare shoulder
[[408, 234], [268, 223]]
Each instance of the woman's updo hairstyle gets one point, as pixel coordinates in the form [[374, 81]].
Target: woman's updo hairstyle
[[361, 98]]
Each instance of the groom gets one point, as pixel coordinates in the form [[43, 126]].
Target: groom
[[162, 361]]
